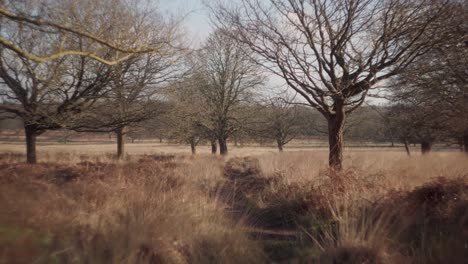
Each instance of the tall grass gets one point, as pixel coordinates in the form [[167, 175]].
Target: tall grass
[[143, 212], [383, 208]]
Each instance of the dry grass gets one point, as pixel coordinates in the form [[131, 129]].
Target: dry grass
[[74, 152], [143, 212], [391, 168], [384, 208], [49, 151]]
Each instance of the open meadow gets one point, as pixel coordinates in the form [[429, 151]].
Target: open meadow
[[161, 205], [233, 131], [54, 150]]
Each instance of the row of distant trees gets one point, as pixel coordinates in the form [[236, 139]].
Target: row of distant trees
[[430, 99], [275, 122], [337, 53], [107, 66]]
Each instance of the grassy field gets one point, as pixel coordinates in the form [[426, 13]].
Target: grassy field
[[254, 206], [51, 149]]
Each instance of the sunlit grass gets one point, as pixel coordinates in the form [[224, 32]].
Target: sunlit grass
[[183, 209]]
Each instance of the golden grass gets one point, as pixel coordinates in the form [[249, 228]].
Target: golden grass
[[132, 149], [79, 206], [52, 152], [144, 212], [392, 168]]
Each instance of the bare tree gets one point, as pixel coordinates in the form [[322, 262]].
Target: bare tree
[[437, 82], [136, 87], [433, 88], [412, 123], [282, 122], [63, 20], [333, 52], [48, 96], [227, 78], [188, 112], [135, 95], [54, 92]]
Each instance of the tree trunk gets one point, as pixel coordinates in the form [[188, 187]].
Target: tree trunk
[[120, 143], [214, 147], [465, 142], [460, 144], [160, 140], [193, 146], [335, 140], [407, 147], [280, 144], [223, 149], [31, 135], [426, 147]]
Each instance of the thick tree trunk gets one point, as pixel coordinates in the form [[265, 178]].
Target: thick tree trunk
[[214, 147], [120, 143], [280, 145], [407, 147], [335, 140], [426, 147], [223, 149], [193, 147], [31, 136]]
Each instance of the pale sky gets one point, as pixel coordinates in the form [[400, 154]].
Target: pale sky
[[196, 20], [198, 25]]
